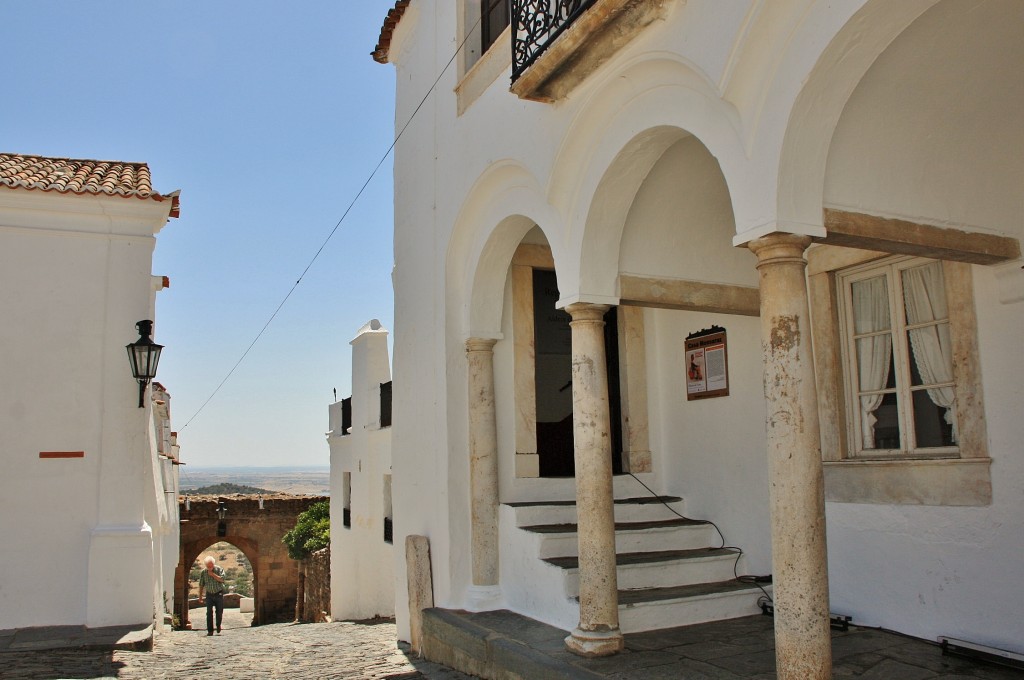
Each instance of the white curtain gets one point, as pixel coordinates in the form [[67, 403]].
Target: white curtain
[[924, 295], [874, 353]]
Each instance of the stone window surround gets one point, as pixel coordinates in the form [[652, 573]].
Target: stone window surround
[[632, 370], [479, 71], [963, 481]]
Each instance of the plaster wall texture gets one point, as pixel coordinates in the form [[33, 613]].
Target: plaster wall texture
[[362, 564], [946, 160], [76, 273], [615, 184]]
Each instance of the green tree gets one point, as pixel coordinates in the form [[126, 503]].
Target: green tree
[[311, 533]]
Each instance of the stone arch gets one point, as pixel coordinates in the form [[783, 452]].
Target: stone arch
[[191, 552], [504, 204], [631, 120], [944, 96], [255, 525], [832, 77]]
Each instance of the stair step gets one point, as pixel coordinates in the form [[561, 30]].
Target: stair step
[[619, 526], [660, 569], [629, 559], [655, 608], [640, 500], [641, 509], [629, 598], [561, 540]]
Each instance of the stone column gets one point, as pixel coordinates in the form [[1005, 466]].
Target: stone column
[[803, 644], [598, 631], [483, 473]]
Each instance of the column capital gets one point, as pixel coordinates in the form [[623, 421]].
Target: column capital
[[587, 311], [480, 344], [779, 248]]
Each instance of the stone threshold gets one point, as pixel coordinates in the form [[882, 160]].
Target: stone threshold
[[504, 645], [137, 638]]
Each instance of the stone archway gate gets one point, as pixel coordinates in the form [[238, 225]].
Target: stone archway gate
[[257, 532]]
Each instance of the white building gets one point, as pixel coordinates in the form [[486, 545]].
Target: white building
[[840, 176], [362, 576], [88, 507]]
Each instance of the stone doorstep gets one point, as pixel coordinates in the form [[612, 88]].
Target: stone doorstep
[[451, 639], [137, 638]]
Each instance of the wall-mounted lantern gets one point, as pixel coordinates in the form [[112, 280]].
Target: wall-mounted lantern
[[222, 512], [144, 355]]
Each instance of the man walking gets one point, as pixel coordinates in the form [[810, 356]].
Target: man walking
[[211, 582]]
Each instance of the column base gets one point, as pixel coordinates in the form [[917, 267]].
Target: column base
[[595, 643], [483, 598]]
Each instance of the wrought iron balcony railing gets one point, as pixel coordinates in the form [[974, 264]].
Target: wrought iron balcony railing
[[536, 24]]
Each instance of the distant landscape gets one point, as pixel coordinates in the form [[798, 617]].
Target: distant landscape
[[299, 480]]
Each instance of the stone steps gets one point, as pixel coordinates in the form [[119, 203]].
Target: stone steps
[[667, 570]]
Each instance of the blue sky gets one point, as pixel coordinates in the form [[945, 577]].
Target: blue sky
[[268, 116]]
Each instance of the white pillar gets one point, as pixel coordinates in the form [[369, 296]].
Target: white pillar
[[598, 631], [483, 472], [803, 643]]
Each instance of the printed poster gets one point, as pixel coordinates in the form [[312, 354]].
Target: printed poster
[[707, 367]]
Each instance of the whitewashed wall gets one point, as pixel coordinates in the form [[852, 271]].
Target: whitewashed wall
[[947, 159], [75, 279], [362, 572], [759, 86]]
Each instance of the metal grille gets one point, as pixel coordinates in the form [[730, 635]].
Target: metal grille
[[536, 24]]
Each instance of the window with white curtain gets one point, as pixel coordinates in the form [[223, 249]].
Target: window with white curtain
[[898, 358]]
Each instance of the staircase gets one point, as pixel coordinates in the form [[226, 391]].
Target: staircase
[[668, 572]]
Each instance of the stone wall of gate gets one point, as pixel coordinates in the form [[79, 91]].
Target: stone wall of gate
[[315, 606], [257, 532]]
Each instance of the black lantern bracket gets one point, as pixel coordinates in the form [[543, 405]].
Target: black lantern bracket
[[144, 355]]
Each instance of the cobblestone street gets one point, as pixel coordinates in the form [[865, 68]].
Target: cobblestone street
[[324, 650]]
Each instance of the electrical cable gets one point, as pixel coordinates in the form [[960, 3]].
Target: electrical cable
[[750, 579], [330, 235]]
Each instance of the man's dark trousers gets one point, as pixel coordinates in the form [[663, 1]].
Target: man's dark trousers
[[214, 600]]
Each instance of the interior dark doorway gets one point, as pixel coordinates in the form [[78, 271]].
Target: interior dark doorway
[[553, 380]]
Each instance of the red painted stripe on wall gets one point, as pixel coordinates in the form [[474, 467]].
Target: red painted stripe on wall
[[62, 454]]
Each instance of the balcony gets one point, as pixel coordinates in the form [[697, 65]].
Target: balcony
[[556, 44]]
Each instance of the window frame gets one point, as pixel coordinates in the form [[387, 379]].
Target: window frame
[[891, 268], [900, 480]]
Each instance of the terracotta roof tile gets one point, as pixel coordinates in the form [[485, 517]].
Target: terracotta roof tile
[[381, 52], [72, 176]]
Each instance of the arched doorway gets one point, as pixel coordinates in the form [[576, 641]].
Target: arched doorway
[[240, 579], [255, 526]]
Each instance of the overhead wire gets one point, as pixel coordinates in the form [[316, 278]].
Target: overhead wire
[[337, 225]]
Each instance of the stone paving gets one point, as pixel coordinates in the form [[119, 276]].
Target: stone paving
[[737, 649], [318, 650]]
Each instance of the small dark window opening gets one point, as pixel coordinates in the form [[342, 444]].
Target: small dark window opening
[[494, 18], [385, 404], [388, 530], [346, 416]]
